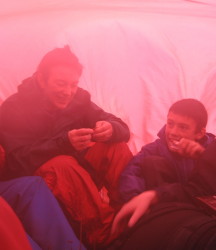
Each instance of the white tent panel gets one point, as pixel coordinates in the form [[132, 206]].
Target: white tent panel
[[138, 56]]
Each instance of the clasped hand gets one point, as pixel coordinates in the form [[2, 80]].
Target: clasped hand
[[189, 148], [82, 138]]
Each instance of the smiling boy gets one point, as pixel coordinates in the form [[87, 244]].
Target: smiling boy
[[161, 183], [180, 142]]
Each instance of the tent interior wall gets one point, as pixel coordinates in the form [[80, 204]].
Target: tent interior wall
[[139, 56]]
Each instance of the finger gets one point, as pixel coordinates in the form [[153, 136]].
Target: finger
[[121, 216], [184, 146], [100, 135], [102, 125], [115, 226], [81, 146], [76, 134], [196, 150], [100, 129], [84, 131], [138, 213], [105, 130], [191, 148], [98, 124], [84, 138], [119, 226], [76, 137]]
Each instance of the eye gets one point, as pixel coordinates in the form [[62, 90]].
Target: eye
[[183, 127], [170, 124], [60, 83], [74, 85]]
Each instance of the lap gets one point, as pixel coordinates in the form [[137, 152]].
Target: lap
[[72, 184], [23, 187], [170, 226]]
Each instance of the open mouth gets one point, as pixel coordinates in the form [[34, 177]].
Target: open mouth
[[62, 100]]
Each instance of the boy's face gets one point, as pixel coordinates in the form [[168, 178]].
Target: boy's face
[[179, 127]]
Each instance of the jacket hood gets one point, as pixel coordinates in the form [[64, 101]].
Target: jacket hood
[[29, 88]]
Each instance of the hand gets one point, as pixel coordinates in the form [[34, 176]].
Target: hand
[[133, 210], [80, 139], [189, 148], [103, 131]]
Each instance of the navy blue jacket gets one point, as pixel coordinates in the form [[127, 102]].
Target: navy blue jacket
[[31, 135], [132, 181]]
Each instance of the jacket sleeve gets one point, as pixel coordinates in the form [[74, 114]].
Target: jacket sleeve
[[25, 151], [132, 181], [121, 131], [201, 182]]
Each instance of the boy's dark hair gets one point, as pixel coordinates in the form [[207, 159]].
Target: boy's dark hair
[[58, 56], [193, 109]]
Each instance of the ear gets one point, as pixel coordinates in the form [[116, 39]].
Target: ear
[[40, 80], [199, 135]]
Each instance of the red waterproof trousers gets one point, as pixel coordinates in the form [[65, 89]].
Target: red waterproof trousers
[[73, 186]]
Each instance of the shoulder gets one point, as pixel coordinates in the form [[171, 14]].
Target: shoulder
[[207, 139], [82, 94], [82, 97], [10, 103], [153, 147]]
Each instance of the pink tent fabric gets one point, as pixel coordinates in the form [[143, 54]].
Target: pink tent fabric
[[138, 56]]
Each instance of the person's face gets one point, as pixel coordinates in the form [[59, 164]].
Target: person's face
[[60, 86], [178, 127]]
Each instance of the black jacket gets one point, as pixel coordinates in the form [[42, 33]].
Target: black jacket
[[31, 135]]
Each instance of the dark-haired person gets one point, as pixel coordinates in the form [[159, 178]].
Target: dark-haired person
[[180, 142], [51, 128], [160, 183]]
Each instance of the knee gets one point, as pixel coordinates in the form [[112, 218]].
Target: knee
[[25, 186], [28, 181], [61, 160], [120, 147]]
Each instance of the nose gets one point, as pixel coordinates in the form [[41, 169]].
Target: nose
[[174, 131], [67, 91]]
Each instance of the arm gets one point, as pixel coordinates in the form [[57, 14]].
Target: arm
[[132, 181], [31, 137], [26, 146], [201, 181], [26, 158], [105, 128]]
